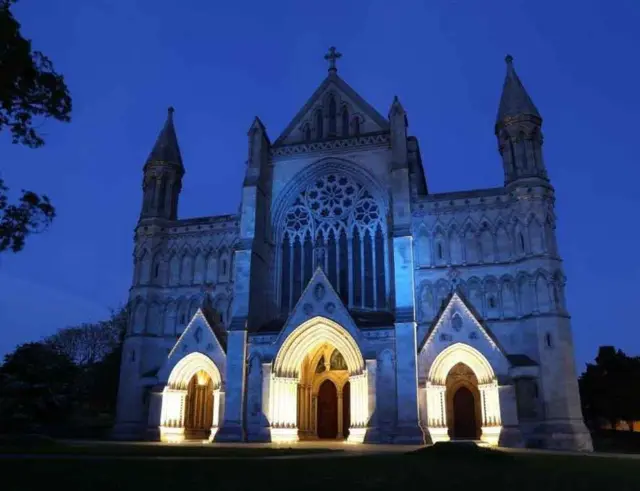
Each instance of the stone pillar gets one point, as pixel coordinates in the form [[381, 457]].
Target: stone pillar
[[340, 413], [283, 408], [408, 429], [437, 412], [373, 433], [232, 429], [510, 435], [491, 418], [172, 415]]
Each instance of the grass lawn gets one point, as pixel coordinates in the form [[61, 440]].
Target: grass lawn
[[139, 450], [426, 469]]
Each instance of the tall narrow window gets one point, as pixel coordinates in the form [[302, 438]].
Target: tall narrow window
[[297, 269], [381, 295], [344, 268], [163, 194], [356, 126], [308, 259], [319, 123], [333, 273], [521, 238], [285, 271], [332, 117], [368, 270], [307, 133], [357, 269], [345, 121]]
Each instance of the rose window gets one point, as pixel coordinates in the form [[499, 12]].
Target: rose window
[[331, 196]]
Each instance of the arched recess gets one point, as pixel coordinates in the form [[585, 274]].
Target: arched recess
[[175, 393], [461, 353], [285, 378]]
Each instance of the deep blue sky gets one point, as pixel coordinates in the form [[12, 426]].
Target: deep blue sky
[[222, 63]]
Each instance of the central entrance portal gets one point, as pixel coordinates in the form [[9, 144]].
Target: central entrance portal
[[463, 408], [464, 415], [324, 395], [319, 387]]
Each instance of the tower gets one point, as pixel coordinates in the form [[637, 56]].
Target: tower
[[163, 173], [518, 129]]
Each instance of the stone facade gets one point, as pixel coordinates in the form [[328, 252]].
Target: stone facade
[[346, 301]]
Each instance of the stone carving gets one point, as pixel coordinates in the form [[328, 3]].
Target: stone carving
[[319, 292], [473, 335], [330, 307], [446, 337], [198, 335], [307, 308], [456, 322]]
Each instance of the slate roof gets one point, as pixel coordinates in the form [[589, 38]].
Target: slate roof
[[515, 100], [166, 148]]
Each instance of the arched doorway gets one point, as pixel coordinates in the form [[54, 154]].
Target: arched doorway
[[199, 407], [317, 351], [464, 415], [191, 400], [463, 403], [327, 410], [463, 396]]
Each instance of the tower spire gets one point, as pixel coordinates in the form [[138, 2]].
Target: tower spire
[[515, 100], [166, 148], [163, 173], [519, 131]]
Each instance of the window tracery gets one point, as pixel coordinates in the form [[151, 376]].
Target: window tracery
[[335, 224]]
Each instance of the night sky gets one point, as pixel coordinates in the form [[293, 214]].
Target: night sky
[[222, 63]]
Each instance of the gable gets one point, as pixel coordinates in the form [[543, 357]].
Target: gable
[[458, 322], [198, 337], [368, 119], [319, 299]]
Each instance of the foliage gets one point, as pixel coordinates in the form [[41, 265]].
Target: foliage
[[29, 88], [88, 344], [36, 388], [609, 388], [66, 384]]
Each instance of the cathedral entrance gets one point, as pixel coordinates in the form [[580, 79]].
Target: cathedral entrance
[[464, 418], [199, 407], [319, 386], [192, 400], [327, 410], [324, 395], [463, 408]]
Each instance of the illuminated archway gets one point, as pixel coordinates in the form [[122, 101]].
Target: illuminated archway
[[303, 342], [464, 354], [193, 367]]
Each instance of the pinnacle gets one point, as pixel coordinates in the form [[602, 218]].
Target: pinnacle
[[515, 100], [166, 148]]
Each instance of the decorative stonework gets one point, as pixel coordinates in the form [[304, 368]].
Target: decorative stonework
[[307, 308], [330, 307], [346, 143], [319, 291]]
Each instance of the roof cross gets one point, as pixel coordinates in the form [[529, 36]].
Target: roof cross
[[331, 57]]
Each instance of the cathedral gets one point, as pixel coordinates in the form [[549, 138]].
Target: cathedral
[[344, 301]]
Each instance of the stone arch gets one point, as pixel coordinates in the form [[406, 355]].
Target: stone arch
[[426, 301], [423, 246], [188, 366], [461, 353], [455, 245], [301, 180], [309, 335]]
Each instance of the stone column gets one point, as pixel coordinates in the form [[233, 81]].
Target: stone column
[[232, 429], [340, 413], [510, 435], [373, 434], [408, 429], [437, 413]]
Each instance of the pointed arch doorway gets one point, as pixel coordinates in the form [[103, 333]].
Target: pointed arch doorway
[[327, 417]]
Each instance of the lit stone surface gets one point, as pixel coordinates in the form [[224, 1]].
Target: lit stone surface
[[344, 300]]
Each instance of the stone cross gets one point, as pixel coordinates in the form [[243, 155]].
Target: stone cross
[[331, 57]]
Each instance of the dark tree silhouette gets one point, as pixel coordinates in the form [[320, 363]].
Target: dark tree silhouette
[[30, 89], [609, 388], [37, 389]]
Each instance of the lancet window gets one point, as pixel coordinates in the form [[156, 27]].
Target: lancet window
[[337, 225]]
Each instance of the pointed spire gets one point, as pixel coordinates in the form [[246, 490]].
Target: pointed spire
[[166, 148], [257, 125], [514, 100], [396, 107]]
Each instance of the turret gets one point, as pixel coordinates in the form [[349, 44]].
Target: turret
[[519, 131], [163, 173]]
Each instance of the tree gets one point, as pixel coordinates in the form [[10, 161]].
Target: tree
[[609, 387], [30, 89], [37, 389]]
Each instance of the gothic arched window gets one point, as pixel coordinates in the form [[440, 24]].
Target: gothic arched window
[[319, 123], [334, 224], [345, 121], [332, 117]]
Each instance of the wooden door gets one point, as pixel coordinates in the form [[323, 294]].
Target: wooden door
[[327, 410], [464, 415]]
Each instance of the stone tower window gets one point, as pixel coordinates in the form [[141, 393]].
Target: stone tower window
[[492, 303], [319, 124], [332, 117], [547, 340]]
